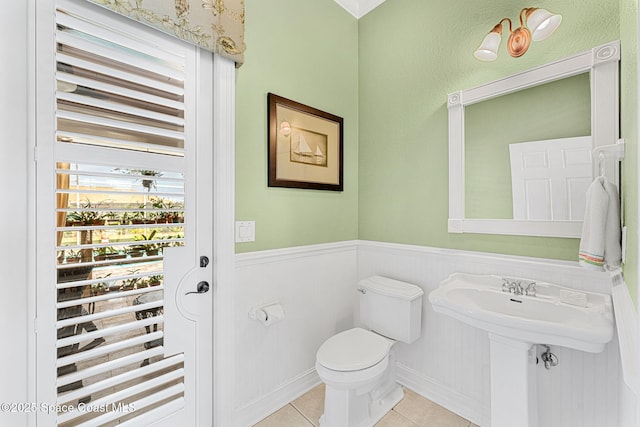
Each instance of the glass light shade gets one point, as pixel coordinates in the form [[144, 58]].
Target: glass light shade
[[542, 24], [488, 50]]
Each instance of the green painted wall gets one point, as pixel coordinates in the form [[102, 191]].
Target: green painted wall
[[307, 51], [412, 54], [388, 75]]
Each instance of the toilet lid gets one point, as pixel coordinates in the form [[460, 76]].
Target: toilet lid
[[353, 350]]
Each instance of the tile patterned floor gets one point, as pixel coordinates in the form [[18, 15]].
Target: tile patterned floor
[[412, 411]]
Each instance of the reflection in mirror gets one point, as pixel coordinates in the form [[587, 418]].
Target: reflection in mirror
[[535, 130], [550, 178], [564, 108]]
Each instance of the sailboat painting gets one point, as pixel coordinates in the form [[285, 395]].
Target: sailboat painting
[[308, 147], [305, 146]]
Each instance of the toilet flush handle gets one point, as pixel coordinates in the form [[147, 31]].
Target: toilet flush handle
[[362, 290]]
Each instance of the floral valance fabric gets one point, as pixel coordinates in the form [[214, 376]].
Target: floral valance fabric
[[215, 25]]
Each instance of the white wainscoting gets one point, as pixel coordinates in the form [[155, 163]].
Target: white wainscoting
[[449, 364], [627, 327], [316, 286]]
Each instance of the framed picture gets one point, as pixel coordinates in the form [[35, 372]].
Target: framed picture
[[305, 146]]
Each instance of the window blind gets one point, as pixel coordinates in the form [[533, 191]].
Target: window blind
[[115, 92]]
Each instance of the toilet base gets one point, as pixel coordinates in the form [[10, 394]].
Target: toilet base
[[352, 410]]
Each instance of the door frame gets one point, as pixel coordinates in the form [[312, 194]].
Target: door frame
[[223, 165], [224, 170]]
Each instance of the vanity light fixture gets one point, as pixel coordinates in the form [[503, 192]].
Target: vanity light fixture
[[535, 23], [285, 128]]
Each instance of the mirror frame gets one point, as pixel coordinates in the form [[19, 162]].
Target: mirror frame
[[601, 63]]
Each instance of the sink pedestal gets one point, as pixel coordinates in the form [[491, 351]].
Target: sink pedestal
[[514, 400]]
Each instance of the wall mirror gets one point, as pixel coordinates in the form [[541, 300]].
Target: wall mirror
[[521, 148]]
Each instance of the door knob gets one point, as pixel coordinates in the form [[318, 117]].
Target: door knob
[[202, 288]]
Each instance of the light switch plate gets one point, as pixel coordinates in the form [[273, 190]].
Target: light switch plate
[[245, 231]]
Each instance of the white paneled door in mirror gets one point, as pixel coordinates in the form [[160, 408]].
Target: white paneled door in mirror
[[549, 179]]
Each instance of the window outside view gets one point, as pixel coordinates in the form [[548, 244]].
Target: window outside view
[[113, 225]]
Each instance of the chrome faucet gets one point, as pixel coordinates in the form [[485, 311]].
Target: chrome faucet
[[515, 287]]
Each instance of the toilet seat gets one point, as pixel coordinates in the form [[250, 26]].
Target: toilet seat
[[353, 350]]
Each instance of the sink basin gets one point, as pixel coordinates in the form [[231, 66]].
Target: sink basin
[[555, 316]]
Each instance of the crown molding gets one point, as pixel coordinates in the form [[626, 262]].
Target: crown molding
[[359, 8]]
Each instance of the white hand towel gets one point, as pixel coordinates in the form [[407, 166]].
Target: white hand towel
[[600, 243], [612, 232]]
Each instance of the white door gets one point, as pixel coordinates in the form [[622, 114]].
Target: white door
[[124, 207], [549, 179]]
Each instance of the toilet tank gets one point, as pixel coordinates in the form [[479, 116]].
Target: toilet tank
[[391, 308]]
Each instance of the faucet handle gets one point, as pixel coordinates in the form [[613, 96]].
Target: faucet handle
[[517, 287], [531, 289]]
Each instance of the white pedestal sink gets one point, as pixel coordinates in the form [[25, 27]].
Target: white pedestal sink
[[516, 323]]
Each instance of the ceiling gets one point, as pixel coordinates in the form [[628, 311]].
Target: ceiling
[[359, 8]]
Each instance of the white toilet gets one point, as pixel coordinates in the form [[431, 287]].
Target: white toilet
[[358, 365]]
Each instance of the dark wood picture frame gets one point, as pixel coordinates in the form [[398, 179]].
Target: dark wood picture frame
[[305, 146]]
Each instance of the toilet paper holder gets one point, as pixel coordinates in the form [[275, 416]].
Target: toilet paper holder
[[267, 314]]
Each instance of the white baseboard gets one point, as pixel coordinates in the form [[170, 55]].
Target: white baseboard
[[443, 396], [249, 414]]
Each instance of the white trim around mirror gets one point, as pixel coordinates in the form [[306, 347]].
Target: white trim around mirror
[[601, 63]]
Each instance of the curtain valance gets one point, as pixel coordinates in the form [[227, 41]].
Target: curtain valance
[[215, 25]]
